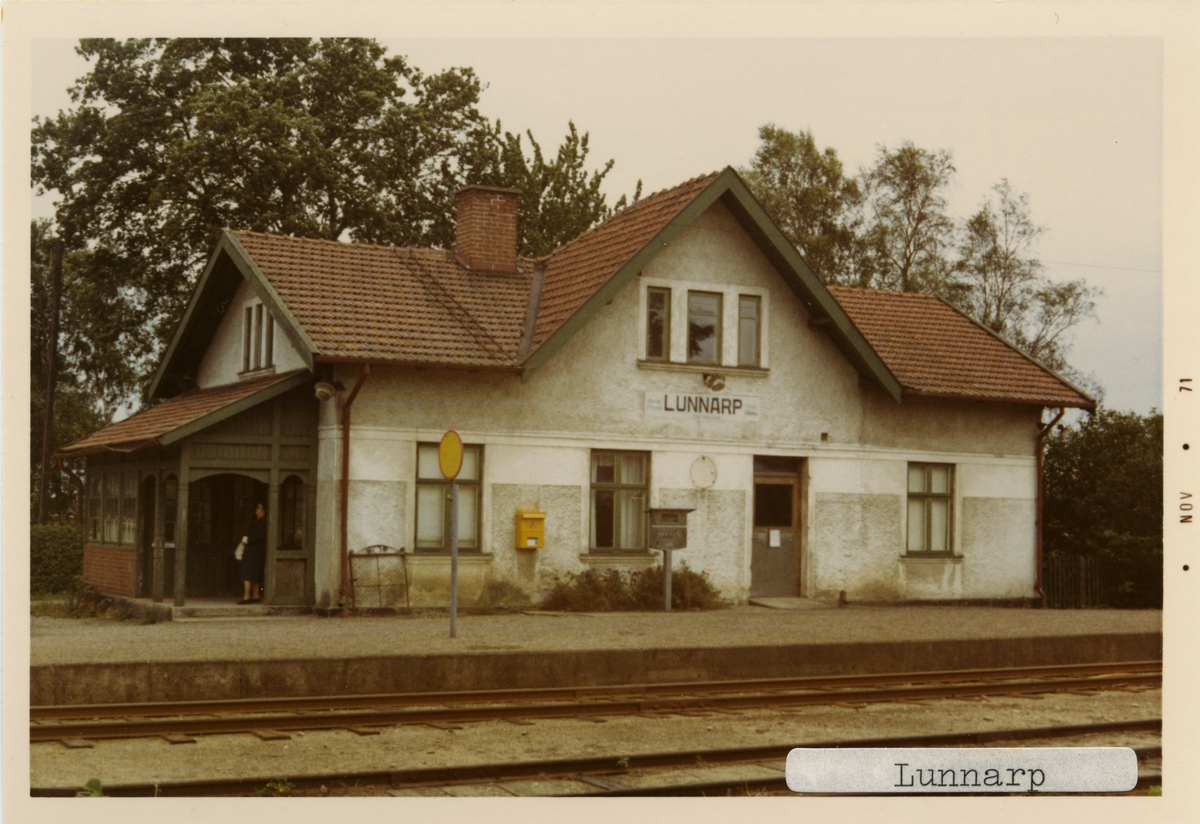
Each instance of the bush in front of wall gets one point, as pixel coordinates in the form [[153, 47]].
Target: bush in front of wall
[[642, 590], [55, 558]]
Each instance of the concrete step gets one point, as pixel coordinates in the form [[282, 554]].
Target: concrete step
[[792, 603], [225, 612]]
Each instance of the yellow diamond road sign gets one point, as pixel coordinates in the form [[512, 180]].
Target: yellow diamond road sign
[[450, 455]]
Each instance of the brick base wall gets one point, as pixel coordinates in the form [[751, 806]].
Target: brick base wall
[[110, 569]]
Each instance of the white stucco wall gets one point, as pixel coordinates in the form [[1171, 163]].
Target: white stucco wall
[[538, 435], [222, 362]]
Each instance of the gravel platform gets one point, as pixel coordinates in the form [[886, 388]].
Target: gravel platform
[[84, 641]]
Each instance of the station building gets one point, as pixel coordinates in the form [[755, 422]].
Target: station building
[[680, 354]]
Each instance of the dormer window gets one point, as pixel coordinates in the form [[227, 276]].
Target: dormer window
[[258, 337], [704, 327]]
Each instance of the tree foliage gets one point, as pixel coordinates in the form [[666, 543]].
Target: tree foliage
[[814, 204], [79, 399], [1103, 498], [907, 228], [999, 282], [889, 228], [170, 140]]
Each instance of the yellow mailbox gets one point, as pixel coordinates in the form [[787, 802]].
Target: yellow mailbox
[[531, 529]]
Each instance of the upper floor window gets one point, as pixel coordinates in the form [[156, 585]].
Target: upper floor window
[[701, 325], [258, 337], [930, 504], [704, 327], [749, 329], [433, 499], [658, 324]]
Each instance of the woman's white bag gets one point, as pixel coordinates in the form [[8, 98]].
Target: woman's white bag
[[241, 548]]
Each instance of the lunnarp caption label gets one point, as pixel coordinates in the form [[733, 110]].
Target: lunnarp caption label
[[963, 770]]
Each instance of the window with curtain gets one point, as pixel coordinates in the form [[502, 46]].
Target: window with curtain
[[930, 508], [112, 507], [620, 495], [95, 507], [433, 500], [129, 496]]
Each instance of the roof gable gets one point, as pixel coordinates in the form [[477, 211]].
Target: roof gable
[[584, 275], [227, 268]]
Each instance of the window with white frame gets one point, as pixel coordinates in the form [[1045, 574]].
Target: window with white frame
[[258, 337], [703, 325], [620, 494], [433, 500], [930, 508]]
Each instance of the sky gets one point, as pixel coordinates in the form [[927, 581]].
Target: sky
[[1075, 123]]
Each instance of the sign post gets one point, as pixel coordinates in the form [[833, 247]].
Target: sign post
[[450, 458]]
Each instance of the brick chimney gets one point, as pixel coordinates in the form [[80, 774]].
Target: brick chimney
[[486, 232]]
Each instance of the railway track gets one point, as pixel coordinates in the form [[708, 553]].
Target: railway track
[[178, 721], [619, 775]]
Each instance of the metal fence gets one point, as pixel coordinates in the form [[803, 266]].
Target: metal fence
[[1074, 582], [379, 578]]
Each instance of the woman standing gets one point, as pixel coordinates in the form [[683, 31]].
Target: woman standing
[[254, 556]]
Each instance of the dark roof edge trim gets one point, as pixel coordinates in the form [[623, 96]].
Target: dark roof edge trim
[[1044, 403]]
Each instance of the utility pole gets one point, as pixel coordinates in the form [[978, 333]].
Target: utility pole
[[52, 356]]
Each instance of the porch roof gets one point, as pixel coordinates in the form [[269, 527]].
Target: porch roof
[[176, 418]]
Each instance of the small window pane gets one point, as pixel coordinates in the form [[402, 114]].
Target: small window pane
[[916, 526], [704, 327], [633, 469], [773, 505], [748, 330], [427, 462], [658, 324], [431, 515], [468, 507], [631, 517], [939, 520], [258, 328], [916, 479], [604, 468], [247, 333], [269, 360], [470, 464], [602, 518], [939, 480]]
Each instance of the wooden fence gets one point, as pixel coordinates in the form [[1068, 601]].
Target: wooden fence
[[1074, 581]]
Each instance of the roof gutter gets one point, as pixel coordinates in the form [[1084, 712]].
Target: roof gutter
[[1041, 435], [950, 396], [346, 482]]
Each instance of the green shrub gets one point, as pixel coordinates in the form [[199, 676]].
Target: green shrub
[[55, 558], [641, 590]]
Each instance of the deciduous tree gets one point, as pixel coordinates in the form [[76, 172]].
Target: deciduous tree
[[169, 140], [1103, 498], [814, 204]]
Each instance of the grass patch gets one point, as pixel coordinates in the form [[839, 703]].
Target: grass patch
[[81, 601], [502, 595], [638, 591]]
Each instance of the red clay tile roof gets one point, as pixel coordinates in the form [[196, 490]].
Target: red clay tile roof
[[378, 303], [146, 427], [576, 270], [933, 349]]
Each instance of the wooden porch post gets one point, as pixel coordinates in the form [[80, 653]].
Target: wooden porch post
[[160, 525], [181, 525]]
